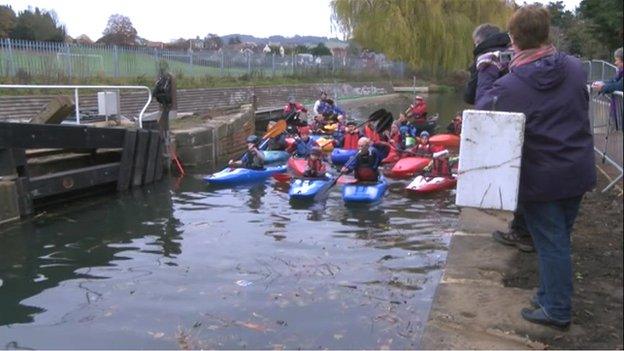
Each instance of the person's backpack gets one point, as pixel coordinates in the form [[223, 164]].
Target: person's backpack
[[162, 90]]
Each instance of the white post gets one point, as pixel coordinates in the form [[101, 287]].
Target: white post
[[77, 105]]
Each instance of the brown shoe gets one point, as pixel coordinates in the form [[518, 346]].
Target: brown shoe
[[524, 243]]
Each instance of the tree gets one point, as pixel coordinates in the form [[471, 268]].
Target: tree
[[7, 21], [38, 25], [430, 34], [234, 40], [301, 49], [320, 50], [605, 20], [119, 31], [213, 42]]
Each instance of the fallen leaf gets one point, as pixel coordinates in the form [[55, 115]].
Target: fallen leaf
[[157, 335], [252, 326]]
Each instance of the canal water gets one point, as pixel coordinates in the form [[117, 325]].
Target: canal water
[[182, 265]]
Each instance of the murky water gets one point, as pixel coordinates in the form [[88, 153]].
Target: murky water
[[179, 264]]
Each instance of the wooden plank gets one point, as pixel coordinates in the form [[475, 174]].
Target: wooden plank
[[127, 160], [139, 157], [158, 169], [7, 163], [152, 150], [24, 199], [32, 136], [62, 182]]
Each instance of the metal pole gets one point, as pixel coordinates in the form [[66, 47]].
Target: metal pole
[[77, 102], [222, 57], [69, 61], [11, 62], [116, 61], [273, 63]]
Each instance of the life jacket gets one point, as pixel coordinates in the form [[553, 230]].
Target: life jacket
[[441, 167], [251, 161], [303, 148], [372, 134], [351, 141], [366, 170], [315, 168], [423, 149], [277, 143], [396, 137]]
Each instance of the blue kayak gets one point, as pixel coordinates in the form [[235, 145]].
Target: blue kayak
[[341, 156], [308, 188], [365, 192], [275, 156], [233, 176]]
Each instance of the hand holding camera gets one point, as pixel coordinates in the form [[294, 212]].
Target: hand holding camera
[[498, 59]]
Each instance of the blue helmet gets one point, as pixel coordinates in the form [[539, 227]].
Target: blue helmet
[[424, 134], [252, 139]]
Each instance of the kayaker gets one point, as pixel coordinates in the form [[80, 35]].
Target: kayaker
[[395, 139], [418, 112], [294, 112], [278, 142], [303, 143], [253, 157], [315, 167], [350, 137], [455, 126], [440, 165], [319, 103], [424, 147], [318, 124], [366, 163], [370, 133]]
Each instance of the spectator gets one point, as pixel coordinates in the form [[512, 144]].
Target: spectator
[[612, 85], [558, 164], [486, 38], [616, 83]]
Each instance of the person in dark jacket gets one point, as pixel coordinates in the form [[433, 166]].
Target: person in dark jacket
[[486, 38], [557, 165], [253, 157], [616, 83], [365, 165]]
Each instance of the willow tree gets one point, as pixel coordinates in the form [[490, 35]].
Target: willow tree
[[435, 35]]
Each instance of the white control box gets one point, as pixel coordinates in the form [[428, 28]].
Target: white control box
[[108, 103]]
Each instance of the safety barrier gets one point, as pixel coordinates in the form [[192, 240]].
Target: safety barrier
[[605, 111]]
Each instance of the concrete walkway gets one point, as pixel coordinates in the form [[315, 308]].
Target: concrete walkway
[[473, 309]]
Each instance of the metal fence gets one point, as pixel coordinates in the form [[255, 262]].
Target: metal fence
[[26, 59], [605, 111]]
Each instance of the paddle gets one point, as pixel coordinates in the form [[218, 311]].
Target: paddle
[[274, 131]]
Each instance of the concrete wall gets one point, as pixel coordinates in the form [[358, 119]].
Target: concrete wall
[[217, 140], [198, 101]]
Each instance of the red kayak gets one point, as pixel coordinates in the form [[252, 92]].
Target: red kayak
[[290, 141], [393, 156], [407, 167], [297, 166], [423, 184], [446, 140]]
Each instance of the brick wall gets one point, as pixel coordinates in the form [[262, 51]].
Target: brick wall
[[216, 141]]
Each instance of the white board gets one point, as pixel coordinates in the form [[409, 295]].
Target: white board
[[489, 159]]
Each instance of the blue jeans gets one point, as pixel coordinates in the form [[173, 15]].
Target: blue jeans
[[550, 224]]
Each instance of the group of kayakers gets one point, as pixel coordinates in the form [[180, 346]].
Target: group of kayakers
[[372, 143]]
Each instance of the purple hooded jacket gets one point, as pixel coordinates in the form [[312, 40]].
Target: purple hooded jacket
[[558, 152]]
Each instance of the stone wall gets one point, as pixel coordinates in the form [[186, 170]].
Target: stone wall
[[199, 101], [215, 141]]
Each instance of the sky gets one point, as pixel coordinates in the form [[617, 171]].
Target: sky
[[159, 20]]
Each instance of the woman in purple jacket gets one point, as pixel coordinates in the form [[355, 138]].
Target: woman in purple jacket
[[557, 165]]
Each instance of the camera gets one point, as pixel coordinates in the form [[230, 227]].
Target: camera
[[504, 56]]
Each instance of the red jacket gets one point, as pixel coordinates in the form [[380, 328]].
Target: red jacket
[[288, 108], [351, 141], [315, 168], [372, 134]]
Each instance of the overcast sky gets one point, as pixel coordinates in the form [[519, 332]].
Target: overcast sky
[[160, 20]]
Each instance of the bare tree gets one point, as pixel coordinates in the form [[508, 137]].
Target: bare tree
[[119, 31]]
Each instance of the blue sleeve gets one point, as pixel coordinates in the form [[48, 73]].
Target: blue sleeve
[[339, 111], [613, 85], [486, 93]]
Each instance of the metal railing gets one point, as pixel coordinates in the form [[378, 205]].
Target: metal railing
[[599, 70], [53, 61], [605, 111], [76, 88]]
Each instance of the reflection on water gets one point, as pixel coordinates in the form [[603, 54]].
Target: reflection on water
[[179, 264]]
